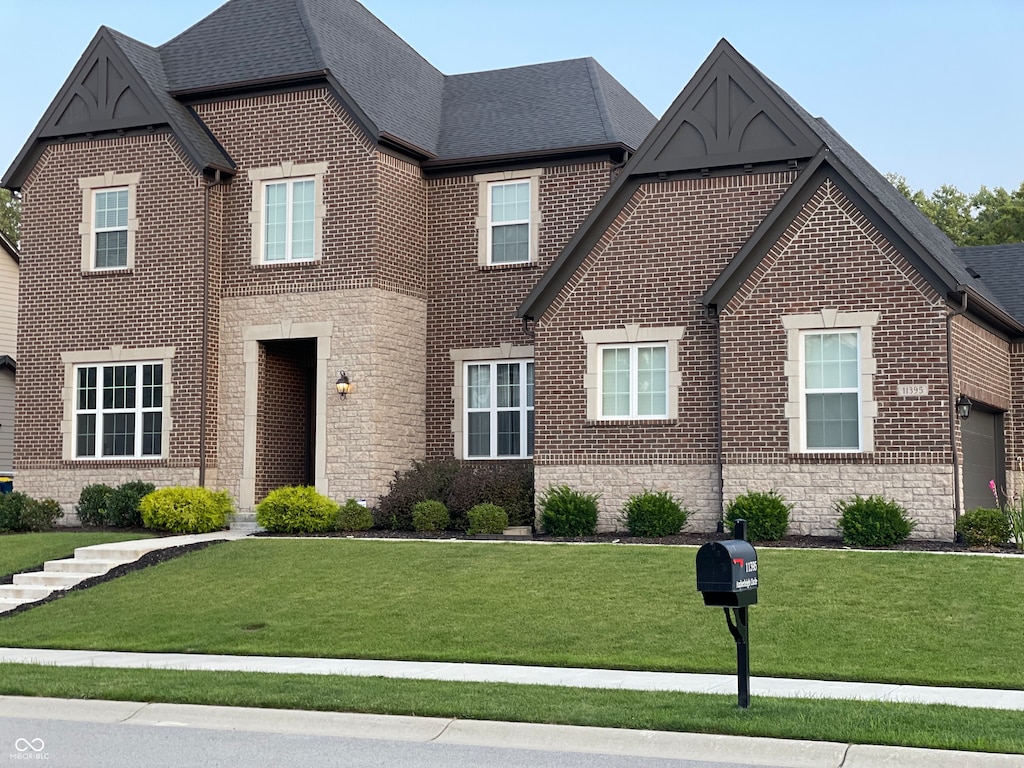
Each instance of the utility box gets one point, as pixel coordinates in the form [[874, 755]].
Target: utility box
[[727, 573]]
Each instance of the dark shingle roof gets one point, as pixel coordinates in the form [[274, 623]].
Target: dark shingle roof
[[1000, 270], [550, 106], [147, 61]]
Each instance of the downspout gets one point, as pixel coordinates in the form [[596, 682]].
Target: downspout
[[952, 407], [715, 318], [204, 367]]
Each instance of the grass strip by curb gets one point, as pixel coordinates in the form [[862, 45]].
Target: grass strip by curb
[[856, 722]]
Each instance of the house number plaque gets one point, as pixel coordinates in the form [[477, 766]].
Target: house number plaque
[[911, 390]]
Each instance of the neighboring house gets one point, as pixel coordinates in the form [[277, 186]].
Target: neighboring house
[[509, 265], [8, 350]]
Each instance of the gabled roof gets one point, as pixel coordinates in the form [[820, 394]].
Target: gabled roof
[[9, 248], [730, 118], [117, 86], [393, 93], [6, 361]]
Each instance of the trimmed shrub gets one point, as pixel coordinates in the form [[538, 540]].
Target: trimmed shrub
[[424, 481], [122, 505], [430, 516], [186, 510], [20, 512], [486, 519], [565, 512], [984, 527], [654, 514], [353, 516], [766, 513], [507, 484], [297, 509], [92, 504], [872, 522]]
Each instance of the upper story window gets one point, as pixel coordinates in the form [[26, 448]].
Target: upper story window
[[287, 212], [509, 226], [119, 411], [111, 230], [288, 220], [830, 368], [109, 222], [508, 221]]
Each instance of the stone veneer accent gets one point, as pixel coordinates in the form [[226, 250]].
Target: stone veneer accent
[[378, 338], [813, 489], [64, 485], [692, 485]]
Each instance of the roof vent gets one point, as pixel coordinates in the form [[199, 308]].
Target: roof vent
[[972, 273]]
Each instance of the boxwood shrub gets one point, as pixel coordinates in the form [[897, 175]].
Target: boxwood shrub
[[766, 513], [654, 514], [186, 510], [429, 516], [297, 509], [565, 512], [92, 504], [486, 519], [354, 516], [984, 527], [20, 512], [872, 522], [122, 505]]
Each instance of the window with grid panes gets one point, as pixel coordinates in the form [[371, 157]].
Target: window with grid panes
[[499, 410]]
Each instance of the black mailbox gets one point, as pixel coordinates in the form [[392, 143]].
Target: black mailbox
[[727, 573]]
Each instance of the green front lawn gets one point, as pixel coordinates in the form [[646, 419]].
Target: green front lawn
[[912, 725], [22, 551], [886, 617]]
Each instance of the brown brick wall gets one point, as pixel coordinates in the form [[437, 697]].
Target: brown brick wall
[[310, 127], [157, 304], [831, 257], [470, 306], [671, 241], [283, 448]]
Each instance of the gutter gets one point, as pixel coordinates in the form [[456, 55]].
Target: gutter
[[715, 317], [957, 507]]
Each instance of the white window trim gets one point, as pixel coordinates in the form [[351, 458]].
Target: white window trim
[[462, 357], [483, 219], [632, 335], [114, 356], [90, 185], [286, 171], [835, 321]]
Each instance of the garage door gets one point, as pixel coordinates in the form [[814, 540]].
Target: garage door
[[982, 436]]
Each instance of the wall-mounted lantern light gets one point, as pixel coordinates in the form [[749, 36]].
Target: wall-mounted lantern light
[[343, 385], [963, 407]]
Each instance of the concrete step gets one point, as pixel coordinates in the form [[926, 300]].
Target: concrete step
[[30, 593], [91, 567], [10, 603], [49, 579], [126, 552]]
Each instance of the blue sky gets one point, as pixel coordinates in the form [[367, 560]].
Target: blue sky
[[930, 89]]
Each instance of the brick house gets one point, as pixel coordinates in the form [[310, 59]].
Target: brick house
[[511, 265], [9, 263]]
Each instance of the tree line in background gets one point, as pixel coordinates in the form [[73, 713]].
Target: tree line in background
[[988, 217]]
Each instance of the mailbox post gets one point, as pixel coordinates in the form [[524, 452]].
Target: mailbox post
[[727, 577]]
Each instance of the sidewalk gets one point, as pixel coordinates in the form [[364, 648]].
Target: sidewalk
[[500, 673]]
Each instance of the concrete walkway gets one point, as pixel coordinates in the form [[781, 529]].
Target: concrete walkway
[[502, 673]]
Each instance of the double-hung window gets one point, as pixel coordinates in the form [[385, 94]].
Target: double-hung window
[[289, 220], [119, 410], [499, 409], [110, 228], [509, 221], [832, 396], [634, 381]]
